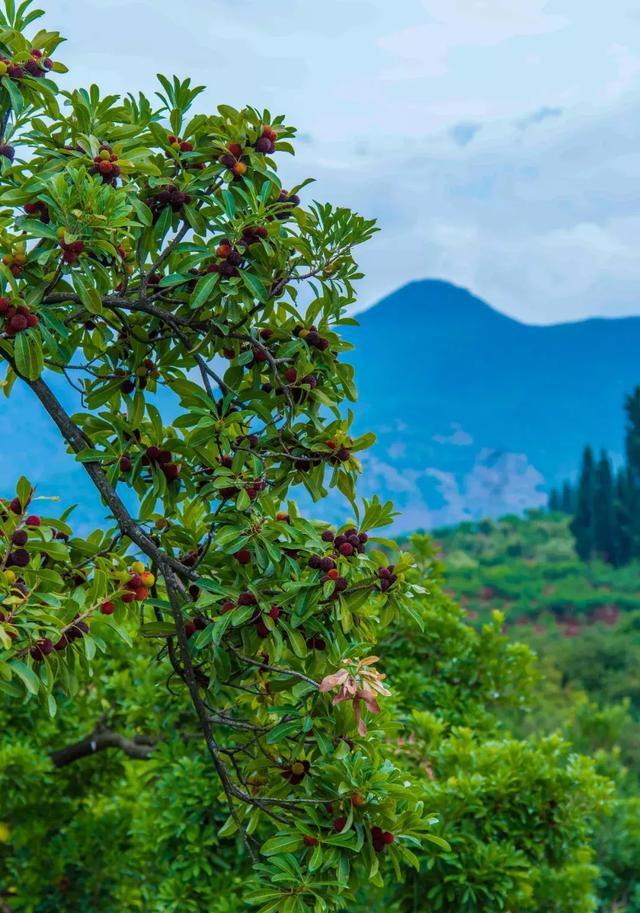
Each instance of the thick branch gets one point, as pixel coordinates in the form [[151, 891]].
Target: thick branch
[[140, 749]]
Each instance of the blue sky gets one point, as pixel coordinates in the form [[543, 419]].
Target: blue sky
[[497, 141]]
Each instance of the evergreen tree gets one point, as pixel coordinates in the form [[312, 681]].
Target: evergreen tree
[[632, 447], [583, 522], [554, 500], [567, 498], [622, 518], [603, 517]]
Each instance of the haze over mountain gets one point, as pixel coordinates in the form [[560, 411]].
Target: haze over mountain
[[475, 413]]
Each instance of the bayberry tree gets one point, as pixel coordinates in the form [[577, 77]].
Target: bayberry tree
[[154, 261]]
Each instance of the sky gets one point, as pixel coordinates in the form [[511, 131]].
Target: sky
[[497, 142]]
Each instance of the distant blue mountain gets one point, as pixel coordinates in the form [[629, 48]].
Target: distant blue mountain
[[476, 414]]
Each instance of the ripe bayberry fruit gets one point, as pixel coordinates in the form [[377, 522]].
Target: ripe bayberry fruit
[[7, 151], [309, 841], [107, 608], [33, 520], [338, 824], [327, 536], [247, 598], [125, 464], [190, 629], [19, 537], [41, 649], [243, 556], [346, 549]]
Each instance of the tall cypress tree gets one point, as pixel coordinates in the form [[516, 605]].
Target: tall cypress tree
[[632, 447], [603, 519], [567, 498], [554, 501], [622, 518], [582, 523]]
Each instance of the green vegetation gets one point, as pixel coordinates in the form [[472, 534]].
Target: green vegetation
[[583, 621]]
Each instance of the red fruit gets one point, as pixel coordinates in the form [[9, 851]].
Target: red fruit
[[333, 574], [338, 824], [291, 375], [243, 556], [358, 800], [261, 628], [309, 841], [43, 648], [186, 146], [274, 612], [342, 454], [270, 133], [190, 629], [153, 452], [346, 549], [125, 464], [223, 249], [171, 471], [141, 593], [33, 520], [15, 506], [32, 320], [264, 144], [134, 582], [105, 167], [61, 644], [19, 537], [107, 608], [164, 456], [388, 837], [128, 597], [227, 607], [19, 558], [247, 598], [6, 150], [17, 323]]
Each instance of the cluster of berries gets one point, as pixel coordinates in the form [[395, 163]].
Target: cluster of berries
[[37, 66], [295, 772], [231, 159], [17, 317], [170, 195], [71, 250], [155, 456], [287, 203], [105, 163], [137, 582], [179, 144], [266, 143], [16, 262], [76, 630], [312, 337], [387, 577], [7, 151], [140, 379], [348, 543], [39, 210], [340, 454]]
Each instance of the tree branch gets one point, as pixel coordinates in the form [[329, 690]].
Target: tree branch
[[139, 748]]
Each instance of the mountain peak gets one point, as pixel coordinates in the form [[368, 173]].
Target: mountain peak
[[427, 299]]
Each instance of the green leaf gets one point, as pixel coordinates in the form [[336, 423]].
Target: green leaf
[[28, 355], [282, 843], [283, 731], [28, 676]]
